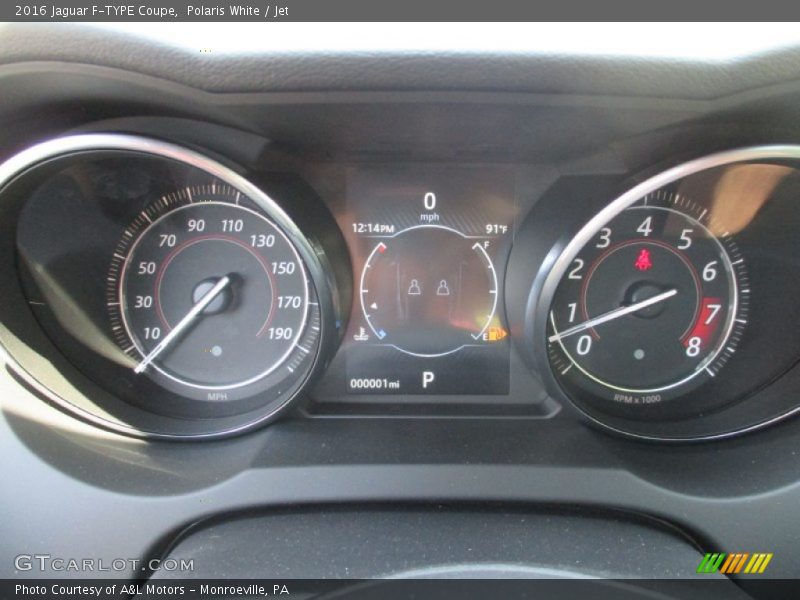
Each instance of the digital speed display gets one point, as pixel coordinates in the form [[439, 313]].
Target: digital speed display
[[429, 247]]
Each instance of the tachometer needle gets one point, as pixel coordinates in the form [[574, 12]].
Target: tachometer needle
[[613, 314], [184, 323]]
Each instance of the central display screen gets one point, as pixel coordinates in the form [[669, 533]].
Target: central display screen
[[429, 248]]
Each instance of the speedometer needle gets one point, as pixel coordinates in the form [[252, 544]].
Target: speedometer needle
[[184, 323], [613, 314]]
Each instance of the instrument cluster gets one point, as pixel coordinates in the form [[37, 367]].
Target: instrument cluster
[[157, 291]]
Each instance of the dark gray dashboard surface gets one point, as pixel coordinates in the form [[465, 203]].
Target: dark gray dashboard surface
[[73, 491], [363, 543], [520, 71]]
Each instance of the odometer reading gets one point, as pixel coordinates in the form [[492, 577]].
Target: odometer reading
[[651, 307], [429, 245]]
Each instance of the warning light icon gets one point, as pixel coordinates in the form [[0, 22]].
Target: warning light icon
[[643, 262], [494, 334]]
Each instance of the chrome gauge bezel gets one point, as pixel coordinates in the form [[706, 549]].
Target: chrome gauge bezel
[[561, 255], [27, 161]]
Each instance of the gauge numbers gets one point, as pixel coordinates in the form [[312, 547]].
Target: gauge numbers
[[210, 297], [651, 307]]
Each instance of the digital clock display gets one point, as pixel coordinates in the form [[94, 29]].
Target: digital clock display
[[429, 247]]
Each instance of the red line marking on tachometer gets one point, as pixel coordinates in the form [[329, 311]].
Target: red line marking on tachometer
[[701, 329]]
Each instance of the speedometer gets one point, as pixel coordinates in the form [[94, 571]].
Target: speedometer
[[651, 307], [192, 303], [209, 296]]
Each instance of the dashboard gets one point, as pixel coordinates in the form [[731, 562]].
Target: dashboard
[[234, 305], [201, 307]]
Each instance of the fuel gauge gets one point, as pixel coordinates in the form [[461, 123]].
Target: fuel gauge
[[429, 290], [429, 247]]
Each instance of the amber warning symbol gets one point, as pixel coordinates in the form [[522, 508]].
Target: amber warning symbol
[[494, 334]]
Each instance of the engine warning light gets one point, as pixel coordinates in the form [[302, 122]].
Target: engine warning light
[[643, 262]]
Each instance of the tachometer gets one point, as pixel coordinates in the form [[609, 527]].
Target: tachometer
[[651, 307]]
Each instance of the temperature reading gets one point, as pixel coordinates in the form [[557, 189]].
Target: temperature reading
[[496, 229], [422, 289], [428, 286]]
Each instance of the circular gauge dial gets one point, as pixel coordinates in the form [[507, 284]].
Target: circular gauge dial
[[651, 307], [211, 298], [429, 290]]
